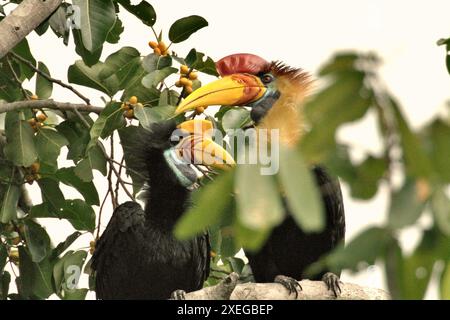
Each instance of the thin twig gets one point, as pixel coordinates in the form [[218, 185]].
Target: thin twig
[[120, 173], [119, 178], [110, 185], [16, 78], [49, 78], [120, 164], [100, 215]]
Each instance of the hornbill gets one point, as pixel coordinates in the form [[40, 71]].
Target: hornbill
[[137, 256], [275, 92]]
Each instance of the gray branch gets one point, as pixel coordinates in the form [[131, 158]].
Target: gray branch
[[228, 289], [48, 104], [25, 18]]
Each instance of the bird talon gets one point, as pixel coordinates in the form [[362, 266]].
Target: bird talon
[[178, 295], [333, 283], [289, 283]]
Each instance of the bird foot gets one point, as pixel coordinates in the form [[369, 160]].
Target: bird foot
[[333, 283], [178, 295], [289, 283]]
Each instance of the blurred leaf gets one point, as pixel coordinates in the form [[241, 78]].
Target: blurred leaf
[[368, 175], [154, 62], [44, 87], [236, 119], [5, 279], [440, 204], [80, 73], [405, 207], [147, 116], [440, 137], [3, 257], [261, 208], [35, 278], [143, 11], [199, 217], [250, 239], [11, 194], [183, 28], [20, 147], [37, 239], [86, 189], [341, 62], [110, 119], [445, 283], [97, 18], [303, 197], [95, 159], [446, 42], [114, 34], [63, 246], [120, 67], [89, 58], [48, 144], [155, 77]]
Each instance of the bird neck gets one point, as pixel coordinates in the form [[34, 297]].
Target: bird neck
[[166, 198]]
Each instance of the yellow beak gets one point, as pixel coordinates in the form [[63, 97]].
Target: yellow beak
[[199, 148], [233, 90]]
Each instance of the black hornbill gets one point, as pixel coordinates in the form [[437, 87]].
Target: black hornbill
[[275, 93], [137, 256]]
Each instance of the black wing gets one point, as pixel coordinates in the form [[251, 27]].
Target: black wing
[[125, 228], [201, 258]]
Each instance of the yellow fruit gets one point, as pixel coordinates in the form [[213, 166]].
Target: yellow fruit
[[14, 255], [129, 114], [199, 110], [125, 106], [153, 44], [35, 167], [157, 51], [184, 69], [193, 76], [139, 105], [162, 46], [41, 117], [15, 241], [178, 84], [213, 254], [188, 90], [185, 82], [133, 100], [34, 97]]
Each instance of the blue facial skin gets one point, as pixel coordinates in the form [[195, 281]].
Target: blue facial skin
[[260, 107]]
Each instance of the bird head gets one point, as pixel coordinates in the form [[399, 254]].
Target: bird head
[[272, 90], [192, 145]]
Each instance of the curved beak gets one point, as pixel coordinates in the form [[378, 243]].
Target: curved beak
[[234, 90], [199, 148]]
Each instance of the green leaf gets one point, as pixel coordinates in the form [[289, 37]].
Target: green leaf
[[197, 219], [405, 207], [63, 246], [154, 62], [37, 239], [97, 18], [440, 205], [440, 137], [51, 194], [20, 148], [48, 144], [95, 159], [79, 214], [23, 50], [197, 60], [78, 137], [44, 87], [3, 257], [143, 11], [35, 278], [261, 208], [110, 119], [147, 116], [59, 25], [183, 28], [89, 58], [114, 35], [445, 283], [86, 189], [250, 239], [80, 73], [5, 279], [135, 88], [304, 200], [155, 77], [236, 119], [368, 175], [11, 194], [120, 67]]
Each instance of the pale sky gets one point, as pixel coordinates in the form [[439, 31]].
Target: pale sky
[[302, 34]]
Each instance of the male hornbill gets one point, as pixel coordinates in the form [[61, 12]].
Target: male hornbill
[[275, 93], [137, 256]]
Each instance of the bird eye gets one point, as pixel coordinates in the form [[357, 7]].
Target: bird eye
[[267, 78]]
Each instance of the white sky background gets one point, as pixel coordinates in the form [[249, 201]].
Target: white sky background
[[302, 34]]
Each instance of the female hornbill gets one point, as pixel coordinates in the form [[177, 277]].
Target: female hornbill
[[275, 93], [137, 256]]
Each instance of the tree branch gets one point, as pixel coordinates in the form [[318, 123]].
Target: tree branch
[[25, 18], [228, 289], [49, 104]]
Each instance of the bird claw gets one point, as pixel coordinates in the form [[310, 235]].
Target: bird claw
[[178, 295], [289, 283], [333, 283]]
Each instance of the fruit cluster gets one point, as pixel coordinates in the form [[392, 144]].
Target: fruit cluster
[[32, 173], [37, 121], [159, 48], [92, 247], [186, 78], [129, 106]]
